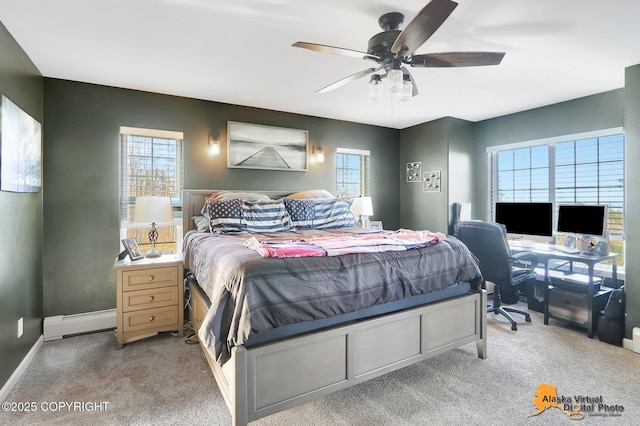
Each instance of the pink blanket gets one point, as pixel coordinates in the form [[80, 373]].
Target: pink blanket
[[334, 245]]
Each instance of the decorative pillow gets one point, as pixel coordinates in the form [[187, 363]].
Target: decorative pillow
[[230, 195], [311, 194], [201, 222], [225, 216], [320, 213], [265, 216]]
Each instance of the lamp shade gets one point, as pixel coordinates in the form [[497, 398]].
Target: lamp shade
[[152, 210], [362, 206]]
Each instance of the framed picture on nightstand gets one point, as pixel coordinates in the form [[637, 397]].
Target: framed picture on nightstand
[[131, 246], [375, 224]]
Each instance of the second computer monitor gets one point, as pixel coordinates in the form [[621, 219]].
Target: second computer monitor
[[583, 219]]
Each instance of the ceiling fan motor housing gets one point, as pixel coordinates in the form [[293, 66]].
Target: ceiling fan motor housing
[[380, 44]]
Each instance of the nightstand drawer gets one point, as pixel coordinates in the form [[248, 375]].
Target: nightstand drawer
[[149, 278], [152, 298], [150, 319]]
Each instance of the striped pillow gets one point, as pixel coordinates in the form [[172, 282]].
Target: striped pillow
[[224, 216], [325, 213], [265, 216]]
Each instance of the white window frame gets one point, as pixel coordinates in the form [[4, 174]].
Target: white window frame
[[126, 223], [365, 175], [492, 152]]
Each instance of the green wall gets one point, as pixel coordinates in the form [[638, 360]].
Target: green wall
[[21, 223], [81, 172], [443, 145], [632, 196], [427, 143]]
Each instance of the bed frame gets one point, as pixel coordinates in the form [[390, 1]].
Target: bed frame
[[263, 380]]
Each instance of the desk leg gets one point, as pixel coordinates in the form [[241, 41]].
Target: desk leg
[[590, 296], [546, 303]]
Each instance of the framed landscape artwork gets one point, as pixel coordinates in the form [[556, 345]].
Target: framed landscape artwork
[[254, 146], [21, 150]]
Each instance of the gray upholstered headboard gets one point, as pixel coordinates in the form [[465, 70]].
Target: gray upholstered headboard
[[193, 200]]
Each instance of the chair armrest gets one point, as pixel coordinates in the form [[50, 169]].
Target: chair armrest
[[525, 257]]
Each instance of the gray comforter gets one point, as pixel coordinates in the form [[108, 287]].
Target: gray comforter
[[250, 294]]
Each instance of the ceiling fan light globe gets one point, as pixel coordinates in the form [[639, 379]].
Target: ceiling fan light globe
[[395, 80], [406, 92], [376, 92]]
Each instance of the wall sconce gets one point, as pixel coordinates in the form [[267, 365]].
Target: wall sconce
[[214, 146], [317, 155]]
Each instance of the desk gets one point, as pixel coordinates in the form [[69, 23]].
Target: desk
[[567, 304]]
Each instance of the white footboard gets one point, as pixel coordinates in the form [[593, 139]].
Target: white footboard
[[263, 380]]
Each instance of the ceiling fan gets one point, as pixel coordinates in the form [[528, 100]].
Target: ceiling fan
[[393, 48]]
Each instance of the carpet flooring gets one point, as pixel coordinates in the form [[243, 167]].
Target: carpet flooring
[[164, 381]]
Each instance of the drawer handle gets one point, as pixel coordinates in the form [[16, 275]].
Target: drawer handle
[[151, 298], [151, 277], [151, 318]]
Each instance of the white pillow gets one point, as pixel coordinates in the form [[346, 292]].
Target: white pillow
[[311, 194]]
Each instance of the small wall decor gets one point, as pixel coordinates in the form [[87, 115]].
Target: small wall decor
[[431, 181], [254, 146], [21, 141], [414, 171]]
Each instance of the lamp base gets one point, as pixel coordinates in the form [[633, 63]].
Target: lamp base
[[154, 252]]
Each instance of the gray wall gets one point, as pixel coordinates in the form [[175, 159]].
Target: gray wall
[[81, 171], [632, 196], [444, 145], [427, 143], [21, 223], [461, 164]]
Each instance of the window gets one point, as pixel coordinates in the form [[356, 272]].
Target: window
[[578, 169], [151, 164], [352, 172]]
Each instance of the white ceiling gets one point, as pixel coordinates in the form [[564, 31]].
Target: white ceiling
[[240, 52]]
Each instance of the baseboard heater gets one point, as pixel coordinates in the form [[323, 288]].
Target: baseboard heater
[[59, 326]]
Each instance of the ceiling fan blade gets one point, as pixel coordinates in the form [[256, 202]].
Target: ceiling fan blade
[[457, 59], [335, 50], [426, 22], [414, 87], [346, 80]]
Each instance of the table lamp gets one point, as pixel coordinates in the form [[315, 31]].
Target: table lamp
[[362, 206], [153, 210]]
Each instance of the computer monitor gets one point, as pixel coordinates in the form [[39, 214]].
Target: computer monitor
[[528, 221], [583, 219]]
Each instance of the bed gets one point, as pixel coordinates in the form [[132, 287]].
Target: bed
[[270, 350]]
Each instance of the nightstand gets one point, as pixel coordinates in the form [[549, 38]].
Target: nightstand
[[150, 297]]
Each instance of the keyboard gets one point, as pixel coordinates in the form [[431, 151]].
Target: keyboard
[[567, 250]]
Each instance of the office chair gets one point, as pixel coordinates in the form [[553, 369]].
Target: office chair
[[488, 242]]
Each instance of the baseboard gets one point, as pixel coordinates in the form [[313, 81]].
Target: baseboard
[[57, 327], [4, 392]]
